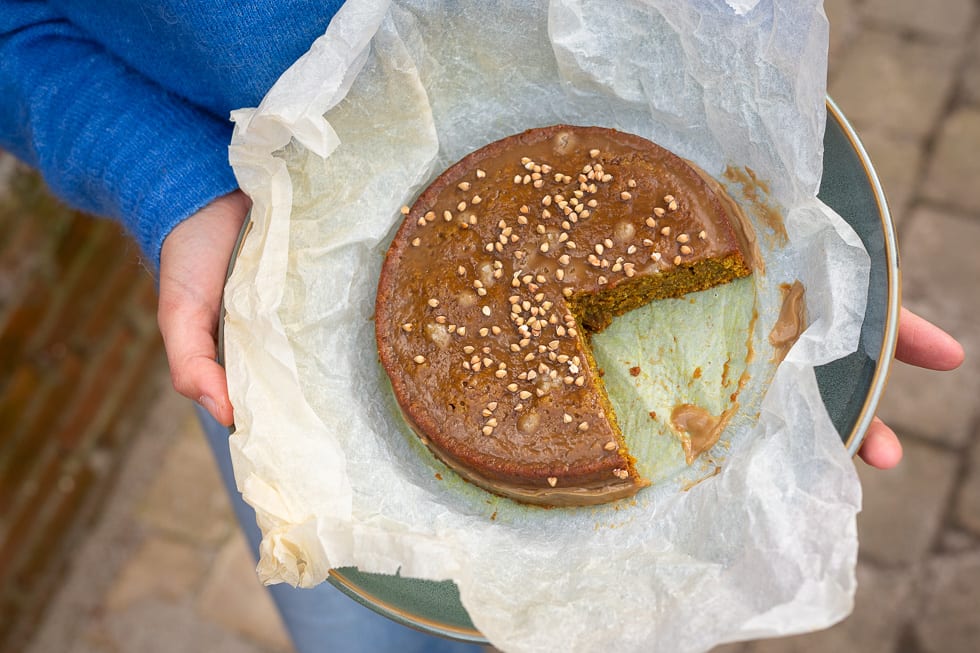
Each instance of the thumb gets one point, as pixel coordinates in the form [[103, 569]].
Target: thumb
[[193, 263]]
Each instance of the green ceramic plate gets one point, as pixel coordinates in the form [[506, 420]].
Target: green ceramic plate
[[851, 387]]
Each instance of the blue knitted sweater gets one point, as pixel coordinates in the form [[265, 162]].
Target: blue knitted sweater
[[123, 104]]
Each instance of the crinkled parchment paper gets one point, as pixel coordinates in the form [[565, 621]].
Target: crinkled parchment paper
[[387, 98]]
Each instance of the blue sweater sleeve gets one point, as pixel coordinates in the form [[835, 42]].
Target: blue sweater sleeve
[[106, 139]]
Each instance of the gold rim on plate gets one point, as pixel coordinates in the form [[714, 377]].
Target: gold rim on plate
[[887, 353]]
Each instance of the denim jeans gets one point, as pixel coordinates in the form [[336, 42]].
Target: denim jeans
[[323, 619]]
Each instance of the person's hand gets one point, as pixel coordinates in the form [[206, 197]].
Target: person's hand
[[922, 344], [193, 265]]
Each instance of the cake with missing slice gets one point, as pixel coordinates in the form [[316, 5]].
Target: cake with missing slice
[[503, 267]]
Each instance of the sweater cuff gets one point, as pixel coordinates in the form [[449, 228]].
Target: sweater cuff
[[107, 139], [125, 148], [169, 160], [183, 177]]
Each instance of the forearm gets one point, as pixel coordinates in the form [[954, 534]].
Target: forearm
[[107, 140]]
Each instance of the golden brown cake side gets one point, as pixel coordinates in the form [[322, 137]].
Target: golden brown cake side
[[502, 267]]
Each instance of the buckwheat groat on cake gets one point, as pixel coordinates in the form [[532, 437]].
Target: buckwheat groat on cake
[[499, 273]]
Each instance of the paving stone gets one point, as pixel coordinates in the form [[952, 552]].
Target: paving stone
[[904, 507], [881, 606], [968, 496], [886, 82], [955, 166], [898, 162], [845, 24], [940, 269], [187, 498], [8, 167], [156, 626], [939, 406], [948, 622], [937, 18], [161, 568], [234, 598], [99, 556], [958, 541], [970, 81]]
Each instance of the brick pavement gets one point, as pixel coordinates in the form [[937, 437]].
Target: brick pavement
[[907, 73], [77, 333], [165, 569]]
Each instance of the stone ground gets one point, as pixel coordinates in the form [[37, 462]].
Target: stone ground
[[164, 569]]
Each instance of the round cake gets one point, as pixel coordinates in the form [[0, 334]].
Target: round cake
[[503, 267]]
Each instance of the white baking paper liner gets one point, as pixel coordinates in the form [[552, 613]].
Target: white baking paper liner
[[387, 98]]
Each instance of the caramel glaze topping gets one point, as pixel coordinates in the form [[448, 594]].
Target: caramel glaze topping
[[700, 429], [791, 321], [487, 296]]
